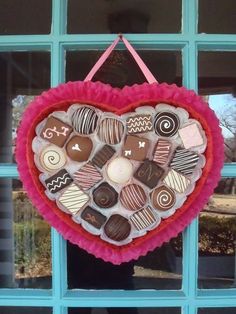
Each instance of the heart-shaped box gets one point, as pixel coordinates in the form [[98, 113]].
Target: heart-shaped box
[[120, 102]]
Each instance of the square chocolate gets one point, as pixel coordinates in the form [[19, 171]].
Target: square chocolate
[[56, 131], [87, 176], [93, 217], [140, 123], [135, 148], [58, 181], [149, 173], [103, 155], [184, 161]]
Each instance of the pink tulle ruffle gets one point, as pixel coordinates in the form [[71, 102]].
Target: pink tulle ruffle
[[118, 101]]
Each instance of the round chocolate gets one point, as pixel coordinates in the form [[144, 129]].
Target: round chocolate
[[117, 228], [133, 197], [163, 198], [111, 131], [84, 120], [52, 158], [105, 196], [79, 148], [120, 170], [166, 124]]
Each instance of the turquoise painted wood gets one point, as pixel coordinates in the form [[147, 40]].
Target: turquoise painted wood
[[189, 298]]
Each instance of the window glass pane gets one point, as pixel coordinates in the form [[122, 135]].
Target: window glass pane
[[25, 310], [157, 310], [120, 69], [24, 17], [217, 235], [25, 245], [215, 310], [133, 16], [217, 75], [22, 76], [221, 19], [160, 269]]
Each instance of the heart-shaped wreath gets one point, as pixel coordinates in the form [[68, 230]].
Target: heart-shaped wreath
[[119, 171]]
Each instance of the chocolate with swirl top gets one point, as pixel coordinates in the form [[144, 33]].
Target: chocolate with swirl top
[[84, 120], [163, 198], [166, 123], [111, 131], [56, 131], [52, 158], [105, 196]]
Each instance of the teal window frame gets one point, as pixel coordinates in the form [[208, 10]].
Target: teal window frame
[[59, 298]]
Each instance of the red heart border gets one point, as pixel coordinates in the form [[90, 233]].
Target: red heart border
[[118, 101]]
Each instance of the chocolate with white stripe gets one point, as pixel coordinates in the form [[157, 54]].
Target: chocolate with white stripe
[[176, 181], [58, 181], [184, 161], [103, 155], [143, 218]]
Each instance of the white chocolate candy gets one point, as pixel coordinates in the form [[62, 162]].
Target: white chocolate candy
[[52, 158], [120, 170]]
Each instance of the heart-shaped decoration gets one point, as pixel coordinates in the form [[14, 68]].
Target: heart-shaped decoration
[[119, 172]]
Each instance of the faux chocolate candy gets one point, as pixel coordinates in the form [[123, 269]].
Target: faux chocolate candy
[[105, 196], [117, 228]]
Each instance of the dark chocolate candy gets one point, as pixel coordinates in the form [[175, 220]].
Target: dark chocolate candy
[[105, 196], [93, 217], [56, 131], [79, 148], [149, 173], [117, 228], [84, 120], [184, 161], [166, 123], [58, 181], [135, 148], [103, 155]]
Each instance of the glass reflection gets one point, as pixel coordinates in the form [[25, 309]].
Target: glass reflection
[[160, 269], [120, 69], [217, 238], [25, 310], [217, 84], [217, 310], [133, 16]]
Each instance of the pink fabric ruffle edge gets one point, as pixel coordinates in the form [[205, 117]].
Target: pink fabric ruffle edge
[[113, 99]]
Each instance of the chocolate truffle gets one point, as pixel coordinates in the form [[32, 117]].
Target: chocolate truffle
[[149, 173], [166, 124], [84, 120], [117, 228], [52, 158], [93, 217], [176, 181], [162, 152], [133, 197], [119, 170], [184, 161], [73, 198], [79, 148], [143, 218], [140, 123], [163, 198], [105, 196], [191, 136], [58, 181], [111, 131], [103, 155], [56, 131], [87, 176], [135, 148]]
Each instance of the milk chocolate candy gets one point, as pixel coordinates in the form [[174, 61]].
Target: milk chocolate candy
[[56, 131], [111, 131], [135, 148], [93, 217], [163, 198], [149, 173], [79, 148], [140, 123]]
